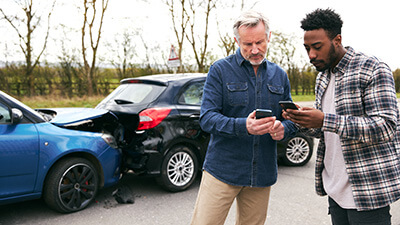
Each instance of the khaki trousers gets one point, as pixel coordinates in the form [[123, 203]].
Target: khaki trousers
[[216, 197]]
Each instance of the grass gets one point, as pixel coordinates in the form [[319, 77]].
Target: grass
[[303, 98], [57, 101], [91, 102]]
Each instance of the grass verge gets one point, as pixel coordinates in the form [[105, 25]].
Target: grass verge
[[58, 102]]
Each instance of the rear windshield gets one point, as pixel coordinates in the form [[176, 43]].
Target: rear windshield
[[135, 93]]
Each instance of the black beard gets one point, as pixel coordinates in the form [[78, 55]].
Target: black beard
[[332, 57]]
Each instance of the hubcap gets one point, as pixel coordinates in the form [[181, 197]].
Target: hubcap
[[297, 150], [180, 168], [77, 186]]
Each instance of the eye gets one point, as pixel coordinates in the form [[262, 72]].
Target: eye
[[317, 46]]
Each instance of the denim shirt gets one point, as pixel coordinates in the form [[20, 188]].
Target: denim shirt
[[231, 92]]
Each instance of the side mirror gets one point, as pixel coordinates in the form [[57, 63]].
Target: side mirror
[[17, 115]]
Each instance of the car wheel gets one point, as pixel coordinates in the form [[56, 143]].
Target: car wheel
[[298, 151], [179, 169], [71, 185]]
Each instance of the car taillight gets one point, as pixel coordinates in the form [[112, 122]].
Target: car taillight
[[150, 118]]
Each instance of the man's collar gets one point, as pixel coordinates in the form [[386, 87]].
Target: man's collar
[[340, 67]]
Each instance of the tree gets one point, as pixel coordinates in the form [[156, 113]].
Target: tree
[[396, 75], [25, 28], [180, 20], [281, 51], [200, 53], [123, 50], [89, 25], [187, 25], [308, 76], [226, 39]]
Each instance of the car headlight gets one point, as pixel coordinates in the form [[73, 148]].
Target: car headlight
[[110, 140]]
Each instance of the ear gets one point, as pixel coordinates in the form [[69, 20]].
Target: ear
[[269, 37], [236, 41], [338, 40]]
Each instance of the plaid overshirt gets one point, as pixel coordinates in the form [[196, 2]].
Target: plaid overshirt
[[367, 121]]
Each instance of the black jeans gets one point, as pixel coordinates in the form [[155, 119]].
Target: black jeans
[[340, 216]]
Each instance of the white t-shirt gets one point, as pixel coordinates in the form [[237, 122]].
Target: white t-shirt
[[334, 176]]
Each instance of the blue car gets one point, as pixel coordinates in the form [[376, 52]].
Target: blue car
[[64, 157]]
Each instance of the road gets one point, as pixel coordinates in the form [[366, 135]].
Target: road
[[293, 201]]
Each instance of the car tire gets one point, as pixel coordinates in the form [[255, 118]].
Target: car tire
[[179, 169], [298, 151], [71, 185]]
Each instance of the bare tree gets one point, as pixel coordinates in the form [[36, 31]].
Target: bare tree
[[180, 20], [123, 50], [25, 28], [226, 39], [200, 53], [89, 22], [282, 51]]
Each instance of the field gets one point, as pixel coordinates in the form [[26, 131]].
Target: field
[[56, 102], [91, 102]]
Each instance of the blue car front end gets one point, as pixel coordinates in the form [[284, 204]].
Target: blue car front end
[[65, 161], [59, 142]]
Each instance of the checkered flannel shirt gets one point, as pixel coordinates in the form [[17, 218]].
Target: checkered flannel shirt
[[367, 121]]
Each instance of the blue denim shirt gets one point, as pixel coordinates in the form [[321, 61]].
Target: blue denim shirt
[[231, 92]]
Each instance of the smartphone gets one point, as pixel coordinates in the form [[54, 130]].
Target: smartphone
[[261, 113], [288, 105]]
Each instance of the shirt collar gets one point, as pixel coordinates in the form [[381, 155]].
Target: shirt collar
[[343, 63]]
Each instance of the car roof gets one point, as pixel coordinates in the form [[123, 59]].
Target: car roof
[[164, 78]]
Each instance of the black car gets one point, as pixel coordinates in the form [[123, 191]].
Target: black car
[[164, 137]]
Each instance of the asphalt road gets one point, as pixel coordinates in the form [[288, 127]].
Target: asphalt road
[[293, 201]]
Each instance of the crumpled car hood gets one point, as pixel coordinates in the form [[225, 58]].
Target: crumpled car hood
[[64, 116], [122, 126], [84, 119]]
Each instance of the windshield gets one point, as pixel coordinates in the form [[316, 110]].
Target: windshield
[[22, 105], [136, 93]]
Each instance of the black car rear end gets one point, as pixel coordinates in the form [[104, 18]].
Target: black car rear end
[[167, 142]]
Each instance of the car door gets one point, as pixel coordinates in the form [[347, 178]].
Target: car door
[[189, 101], [19, 154]]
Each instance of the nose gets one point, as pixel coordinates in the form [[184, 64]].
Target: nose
[[312, 54], [254, 49]]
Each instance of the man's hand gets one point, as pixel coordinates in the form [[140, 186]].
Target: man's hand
[[265, 125], [278, 131], [306, 117]]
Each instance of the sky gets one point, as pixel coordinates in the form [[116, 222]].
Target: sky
[[372, 27]]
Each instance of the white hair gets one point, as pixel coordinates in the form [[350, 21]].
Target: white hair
[[250, 19]]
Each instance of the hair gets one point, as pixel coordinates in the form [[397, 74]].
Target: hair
[[326, 19], [250, 19]]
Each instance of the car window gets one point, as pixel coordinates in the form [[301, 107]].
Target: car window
[[135, 93], [5, 116], [193, 94]]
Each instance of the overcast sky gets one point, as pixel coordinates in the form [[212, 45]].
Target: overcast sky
[[369, 26]]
